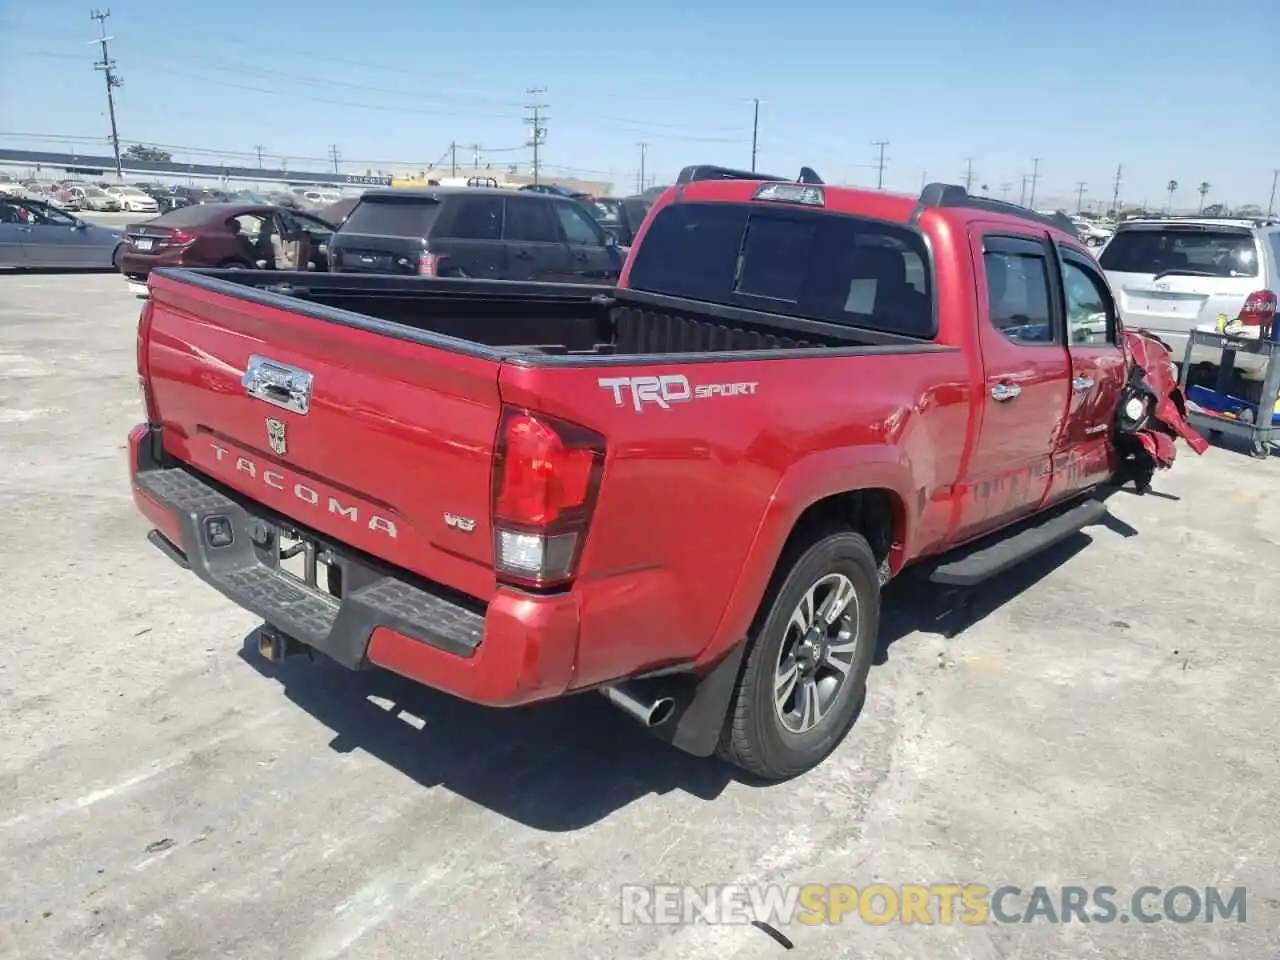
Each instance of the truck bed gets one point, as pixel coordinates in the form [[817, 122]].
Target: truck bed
[[538, 320]]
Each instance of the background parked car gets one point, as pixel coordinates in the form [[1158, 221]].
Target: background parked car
[[133, 200], [163, 195], [212, 235], [621, 216], [35, 234], [554, 190], [337, 212], [85, 196], [475, 232]]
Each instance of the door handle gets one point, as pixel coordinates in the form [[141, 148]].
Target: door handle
[[523, 255], [1005, 391], [1081, 383]]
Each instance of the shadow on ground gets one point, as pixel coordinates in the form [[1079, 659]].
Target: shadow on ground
[[566, 764]]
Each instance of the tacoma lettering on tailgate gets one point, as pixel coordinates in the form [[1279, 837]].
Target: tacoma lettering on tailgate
[[308, 495]]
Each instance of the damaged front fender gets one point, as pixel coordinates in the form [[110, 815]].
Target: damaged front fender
[[1152, 413]]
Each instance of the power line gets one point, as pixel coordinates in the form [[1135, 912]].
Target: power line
[[537, 132], [881, 144], [1035, 178], [968, 174], [108, 68], [755, 131]]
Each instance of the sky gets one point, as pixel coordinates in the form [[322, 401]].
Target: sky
[[1166, 91]]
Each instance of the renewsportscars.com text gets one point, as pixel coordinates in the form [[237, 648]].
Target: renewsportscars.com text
[[930, 904]]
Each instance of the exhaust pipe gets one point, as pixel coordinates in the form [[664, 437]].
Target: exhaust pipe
[[649, 710]]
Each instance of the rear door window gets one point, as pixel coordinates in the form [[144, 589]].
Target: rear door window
[[1193, 251], [530, 220], [476, 217], [391, 217]]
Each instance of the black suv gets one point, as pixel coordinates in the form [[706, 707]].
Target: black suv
[[485, 234]]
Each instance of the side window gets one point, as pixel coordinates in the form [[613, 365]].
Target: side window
[[578, 225], [530, 221], [1090, 316], [1275, 248], [474, 218], [1018, 295], [51, 216]]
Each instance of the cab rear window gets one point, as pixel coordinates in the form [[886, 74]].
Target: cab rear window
[[1169, 250], [818, 266]]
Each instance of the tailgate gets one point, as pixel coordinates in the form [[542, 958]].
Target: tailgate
[[356, 433]]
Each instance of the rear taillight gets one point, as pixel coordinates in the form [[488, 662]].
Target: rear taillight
[[1259, 310], [144, 369], [546, 474], [181, 238], [428, 264]]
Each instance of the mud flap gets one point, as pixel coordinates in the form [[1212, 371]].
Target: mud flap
[[701, 706]]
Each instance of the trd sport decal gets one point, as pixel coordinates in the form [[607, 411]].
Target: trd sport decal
[[669, 389]]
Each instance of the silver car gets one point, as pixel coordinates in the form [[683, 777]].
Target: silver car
[[1175, 274], [37, 235]]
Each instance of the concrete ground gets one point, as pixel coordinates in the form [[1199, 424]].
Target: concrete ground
[[164, 794]]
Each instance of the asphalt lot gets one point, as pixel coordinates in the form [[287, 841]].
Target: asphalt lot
[[165, 794]]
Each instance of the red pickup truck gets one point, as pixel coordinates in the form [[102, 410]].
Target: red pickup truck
[[685, 492]]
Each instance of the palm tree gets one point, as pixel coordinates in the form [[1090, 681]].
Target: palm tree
[[1171, 186], [1203, 189]]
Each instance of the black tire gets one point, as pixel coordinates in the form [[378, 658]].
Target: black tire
[[115, 257], [233, 265], [755, 737]]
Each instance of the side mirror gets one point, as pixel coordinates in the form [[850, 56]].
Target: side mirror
[[610, 240]]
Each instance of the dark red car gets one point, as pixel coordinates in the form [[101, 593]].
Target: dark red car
[[212, 235]]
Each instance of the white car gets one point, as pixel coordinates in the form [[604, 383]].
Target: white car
[[133, 200], [1172, 275]]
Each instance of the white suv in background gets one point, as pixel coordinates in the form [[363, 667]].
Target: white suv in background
[[1171, 275]]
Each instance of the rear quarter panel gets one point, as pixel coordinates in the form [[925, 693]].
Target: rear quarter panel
[[698, 498]]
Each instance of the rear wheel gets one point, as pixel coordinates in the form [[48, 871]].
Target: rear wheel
[[233, 265], [810, 650]]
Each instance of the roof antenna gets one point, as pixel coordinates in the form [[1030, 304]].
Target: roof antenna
[[807, 175]]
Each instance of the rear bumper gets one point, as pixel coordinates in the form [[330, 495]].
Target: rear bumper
[[519, 649]]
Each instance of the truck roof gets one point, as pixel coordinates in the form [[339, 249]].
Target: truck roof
[[711, 183]]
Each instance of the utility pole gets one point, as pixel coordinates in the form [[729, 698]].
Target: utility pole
[[334, 156], [537, 132], [881, 144], [1271, 204], [1080, 186], [924, 179], [1004, 191], [1022, 197], [1115, 191], [968, 173], [1035, 176], [755, 132], [475, 157], [644, 148], [258, 148], [108, 68], [453, 159]]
